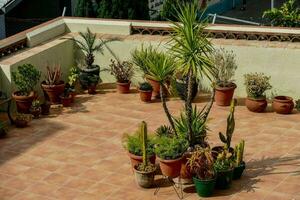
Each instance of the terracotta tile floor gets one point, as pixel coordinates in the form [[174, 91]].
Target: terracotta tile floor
[[76, 153]]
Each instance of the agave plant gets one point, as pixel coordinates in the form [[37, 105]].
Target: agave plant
[[192, 49]]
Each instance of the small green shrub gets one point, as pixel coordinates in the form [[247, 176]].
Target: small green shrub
[[145, 86], [132, 143], [224, 160], [26, 77], [170, 148], [122, 71], [257, 84]]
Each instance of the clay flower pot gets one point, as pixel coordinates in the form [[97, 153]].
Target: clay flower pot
[[170, 168], [135, 160], [73, 94], [123, 88], [66, 101], [23, 102], [145, 95], [283, 104], [53, 92], [144, 179], [156, 87], [256, 105], [224, 95]]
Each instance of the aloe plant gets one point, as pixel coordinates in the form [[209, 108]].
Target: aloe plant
[[226, 139], [239, 153]]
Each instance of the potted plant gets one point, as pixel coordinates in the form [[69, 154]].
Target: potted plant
[[225, 67], [145, 171], [224, 166], [123, 72], [92, 83], [133, 145], [145, 90], [66, 97], [72, 80], [201, 166], [89, 46], [22, 120], [256, 86], [35, 109], [53, 86], [283, 104], [45, 108], [169, 151], [239, 164], [25, 77], [140, 59], [226, 139]]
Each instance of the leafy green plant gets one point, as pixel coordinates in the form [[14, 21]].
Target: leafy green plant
[[225, 67], [122, 71], [170, 148], [23, 117], [239, 153], [145, 86], [298, 105], [73, 76], [35, 105], [287, 15], [164, 130], [201, 164], [226, 139], [189, 44], [224, 160], [145, 165], [89, 46], [54, 74], [86, 8], [257, 84], [26, 77]]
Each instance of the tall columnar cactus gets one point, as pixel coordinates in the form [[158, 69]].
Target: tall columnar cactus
[[239, 153], [143, 138], [230, 126]]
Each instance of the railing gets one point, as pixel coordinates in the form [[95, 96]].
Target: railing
[[12, 44], [215, 16]]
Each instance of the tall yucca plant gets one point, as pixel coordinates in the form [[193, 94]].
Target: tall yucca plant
[[191, 47], [162, 69]]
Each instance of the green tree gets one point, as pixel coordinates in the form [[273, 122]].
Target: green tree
[[287, 15], [86, 8]]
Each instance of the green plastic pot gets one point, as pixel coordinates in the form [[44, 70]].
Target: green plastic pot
[[224, 179], [204, 188], [238, 171]]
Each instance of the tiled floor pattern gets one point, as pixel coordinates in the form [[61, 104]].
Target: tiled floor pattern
[[76, 153]]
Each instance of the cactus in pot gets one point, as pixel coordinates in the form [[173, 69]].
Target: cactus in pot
[[145, 171], [240, 165]]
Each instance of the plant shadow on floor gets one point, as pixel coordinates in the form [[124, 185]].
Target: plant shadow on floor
[[255, 172]]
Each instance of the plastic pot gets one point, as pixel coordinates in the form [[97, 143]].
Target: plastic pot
[[224, 95], [123, 88], [256, 105], [144, 179], [145, 95], [283, 104], [224, 179], [238, 171], [204, 188], [181, 88], [170, 168]]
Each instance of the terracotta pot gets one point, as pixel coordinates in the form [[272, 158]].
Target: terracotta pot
[[170, 168], [92, 89], [145, 95], [21, 123], [256, 105], [135, 160], [66, 101], [123, 88], [224, 95], [156, 87], [53, 92], [45, 108], [23, 102], [283, 104], [73, 94]]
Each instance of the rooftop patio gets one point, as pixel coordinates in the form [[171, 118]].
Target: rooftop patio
[[76, 152]]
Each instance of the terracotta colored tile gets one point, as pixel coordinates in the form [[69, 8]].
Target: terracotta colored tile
[[95, 175], [65, 193], [34, 174], [49, 165], [12, 169], [42, 189], [18, 183], [79, 184], [30, 196], [56, 179], [102, 189], [71, 170], [288, 188], [7, 193]]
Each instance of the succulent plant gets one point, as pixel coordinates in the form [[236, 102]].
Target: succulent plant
[[145, 86], [224, 160], [53, 75], [164, 130], [239, 153], [230, 126]]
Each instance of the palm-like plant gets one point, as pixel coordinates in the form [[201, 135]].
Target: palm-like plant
[[191, 47], [89, 46], [162, 69]]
